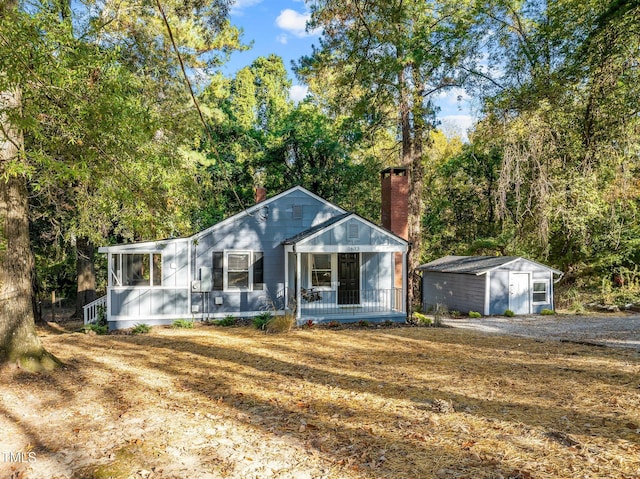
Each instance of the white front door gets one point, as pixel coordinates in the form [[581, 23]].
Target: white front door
[[519, 301]]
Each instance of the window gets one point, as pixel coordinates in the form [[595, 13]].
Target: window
[[321, 270], [139, 269], [540, 291], [238, 270]]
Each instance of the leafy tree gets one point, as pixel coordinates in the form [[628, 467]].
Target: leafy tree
[[385, 61]]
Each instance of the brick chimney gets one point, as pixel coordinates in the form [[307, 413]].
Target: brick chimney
[[395, 200], [261, 193]]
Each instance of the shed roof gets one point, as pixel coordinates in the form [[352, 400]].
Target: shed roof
[[474, 264]]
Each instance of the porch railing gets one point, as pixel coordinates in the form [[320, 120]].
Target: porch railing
[[93, 310], [327, 302]]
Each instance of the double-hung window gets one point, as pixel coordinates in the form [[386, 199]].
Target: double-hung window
[[238, 270], [540, 291], [321, 271]]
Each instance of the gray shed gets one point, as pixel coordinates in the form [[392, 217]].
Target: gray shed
[[488, 284]]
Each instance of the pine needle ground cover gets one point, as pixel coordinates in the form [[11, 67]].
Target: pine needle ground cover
[[214, 402]]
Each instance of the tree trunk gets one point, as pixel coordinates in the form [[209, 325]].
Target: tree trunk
[[18, 340], [86, 275]]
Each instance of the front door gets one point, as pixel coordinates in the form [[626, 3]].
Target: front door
[[348, 278], [519, 293]]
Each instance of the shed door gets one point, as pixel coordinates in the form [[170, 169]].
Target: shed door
[[519, 301], [348, 278]]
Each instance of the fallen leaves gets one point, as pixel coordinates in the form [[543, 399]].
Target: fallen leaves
[[348, 404]]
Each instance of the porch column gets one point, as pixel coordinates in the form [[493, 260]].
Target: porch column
[[298, 287], [404, 281]]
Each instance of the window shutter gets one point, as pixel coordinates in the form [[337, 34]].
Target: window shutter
[[218, 271], [258, 270]]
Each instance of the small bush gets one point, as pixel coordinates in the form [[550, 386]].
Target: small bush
[[333, 324], [509, 314], [182, 323], [96, 328], [260, 321], [454, 314], [474, 314], [280, 324], [363, 324], [141, 328], [308, 324], [227, 321], [421, 319], [547, 312]]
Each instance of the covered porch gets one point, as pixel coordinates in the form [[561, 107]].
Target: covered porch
[[346, 270]]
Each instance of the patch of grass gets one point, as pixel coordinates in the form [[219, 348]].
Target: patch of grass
[[260, 321], [547, 312], [141, 328], [182, 323], [474, 314], [509, 314]]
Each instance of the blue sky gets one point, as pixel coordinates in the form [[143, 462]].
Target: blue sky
[[278, 26]]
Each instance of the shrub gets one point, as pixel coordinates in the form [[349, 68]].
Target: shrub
[[308, 324], [96, 328], [509, 314], [141, 328], [547, 312], [421, 319], [226, 321], [454, 313], [333, 324], [260, 321], [182, 323], [280, 324], [474, 314], [363, 324]]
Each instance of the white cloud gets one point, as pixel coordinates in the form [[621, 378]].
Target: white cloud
[[295, 23], [283, 38], [457, 125], [298, 92], [238, 6]]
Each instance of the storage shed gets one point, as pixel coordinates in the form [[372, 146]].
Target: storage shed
[[488, 284]]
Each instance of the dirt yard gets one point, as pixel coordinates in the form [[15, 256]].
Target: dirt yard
[[396, 403]]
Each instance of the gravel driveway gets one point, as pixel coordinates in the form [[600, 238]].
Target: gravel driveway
[[615, 331]]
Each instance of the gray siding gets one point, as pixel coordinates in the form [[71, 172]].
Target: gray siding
[[344, 233], [459, 292], [262, 231], [499, 300]]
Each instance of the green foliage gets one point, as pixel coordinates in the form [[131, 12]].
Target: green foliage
[[141, 328], [422, 319], [547, 312], [474, 314], [260, 321], [509, 314], [182, 323], [363, 324], [97, 328], [227, 321]]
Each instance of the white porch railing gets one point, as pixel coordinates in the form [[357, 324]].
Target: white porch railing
[[93, 310], [356, 302]]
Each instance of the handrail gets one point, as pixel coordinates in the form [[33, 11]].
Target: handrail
[[93, 310]]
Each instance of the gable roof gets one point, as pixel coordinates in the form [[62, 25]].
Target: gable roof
[[475, 264], [246, 212], [334, 221]]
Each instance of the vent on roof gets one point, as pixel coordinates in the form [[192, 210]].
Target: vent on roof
[[353, 231], [297, 212]]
